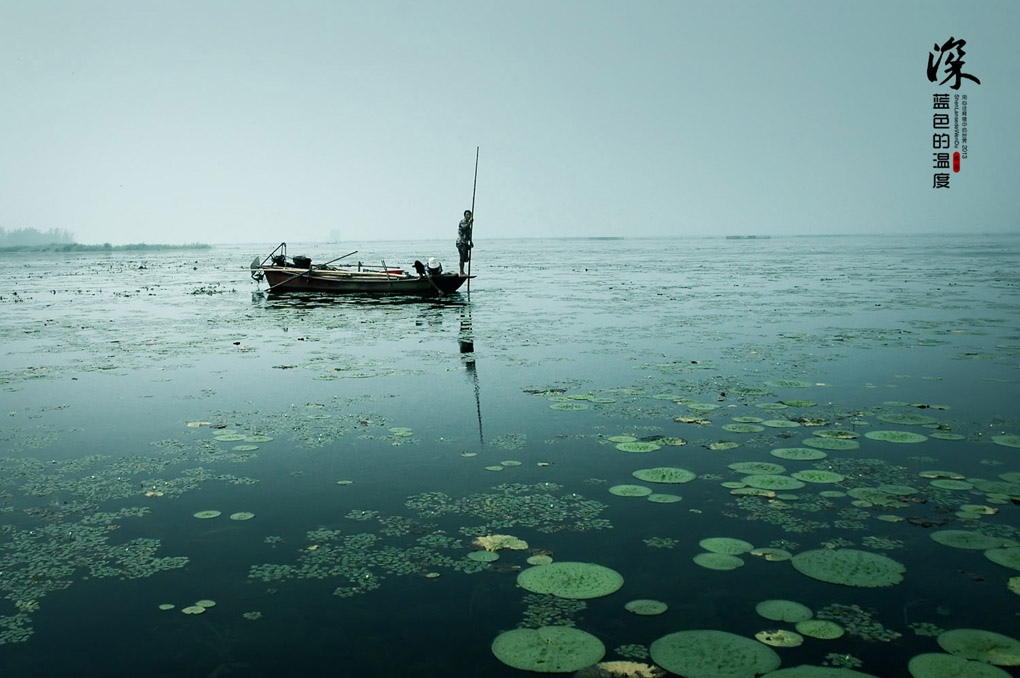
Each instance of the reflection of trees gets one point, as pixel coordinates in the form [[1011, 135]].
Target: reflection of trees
[[32, 236]]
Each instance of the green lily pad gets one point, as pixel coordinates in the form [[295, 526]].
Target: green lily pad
[[548, 649], [664, 474], [798, 453], [638, 447], [571, 580], [849, 567], [630, 490], [783, 610], [718, 561], [985, 646], [896, 436], [726, 545], [707, 653], [939, 665]]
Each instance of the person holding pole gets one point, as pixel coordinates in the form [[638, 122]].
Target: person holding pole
[[464, 242]]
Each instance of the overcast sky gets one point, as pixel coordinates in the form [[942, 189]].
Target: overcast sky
[[213, 121]]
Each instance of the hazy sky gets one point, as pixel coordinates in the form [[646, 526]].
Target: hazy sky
[[214, 121]]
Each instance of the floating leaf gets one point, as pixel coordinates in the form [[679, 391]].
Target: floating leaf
[[549, 649]]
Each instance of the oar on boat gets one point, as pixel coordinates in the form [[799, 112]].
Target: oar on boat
[[298, 275]]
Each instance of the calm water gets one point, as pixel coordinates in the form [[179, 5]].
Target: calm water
[[375, 439]]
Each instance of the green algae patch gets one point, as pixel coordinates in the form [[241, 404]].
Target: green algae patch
[[638, 447], [664, 474], [572, 580], [707, 653], [849, 567], [984, 646], [548, 649], [896, 436], [727, 545], [783, 610], [798, 453]]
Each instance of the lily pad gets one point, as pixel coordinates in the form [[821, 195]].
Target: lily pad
[[718, 561], [939, 665], [548, 649], [572, 580], [896, 436], [798, 453], [849, 567], [985, 646], [757, 467], [664, 474], [820, 628], [646, 607], [726, 545], [816, 476], [771, 482], [1008, 557], [706, 653], [205, 515], [630, 490], [1007, 440], [638, 447], [783, 610], [832, 444], [968, 540]]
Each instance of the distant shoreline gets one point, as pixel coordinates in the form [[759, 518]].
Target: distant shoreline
[[107, 247]]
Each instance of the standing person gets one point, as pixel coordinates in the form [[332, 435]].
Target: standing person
[[464, 243]]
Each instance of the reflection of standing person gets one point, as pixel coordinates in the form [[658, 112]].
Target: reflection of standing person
[[464, 243]]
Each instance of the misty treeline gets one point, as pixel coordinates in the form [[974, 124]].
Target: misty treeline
[[30, 236]]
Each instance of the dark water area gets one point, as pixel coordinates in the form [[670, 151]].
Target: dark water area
[[375, 439]]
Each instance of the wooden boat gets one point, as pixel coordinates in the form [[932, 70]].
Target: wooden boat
[[299, 275]]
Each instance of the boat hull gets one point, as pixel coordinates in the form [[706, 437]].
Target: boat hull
[[287, 279]]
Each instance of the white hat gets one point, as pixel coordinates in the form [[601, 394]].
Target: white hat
[[434, 263]]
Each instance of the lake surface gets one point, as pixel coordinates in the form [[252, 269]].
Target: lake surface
[[375, 439]]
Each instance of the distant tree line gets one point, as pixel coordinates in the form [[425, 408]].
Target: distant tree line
[[20, 237]]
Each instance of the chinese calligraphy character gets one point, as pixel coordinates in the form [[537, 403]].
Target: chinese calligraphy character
[[941, 160], [940, 101], [952, 50], [940, 181]]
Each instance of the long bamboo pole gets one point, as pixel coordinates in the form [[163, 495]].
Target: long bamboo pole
[[474, 190]]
